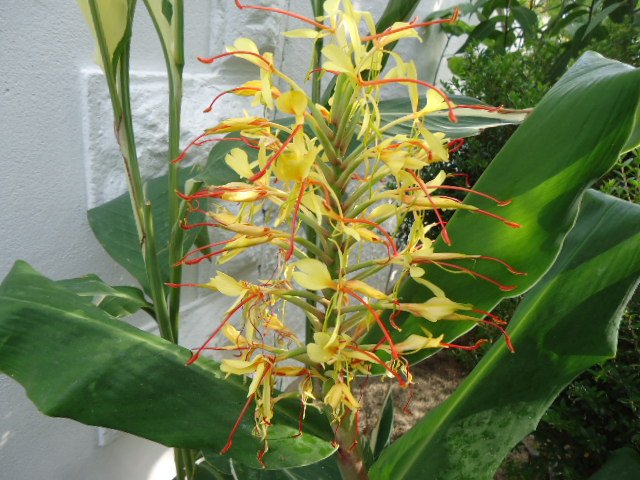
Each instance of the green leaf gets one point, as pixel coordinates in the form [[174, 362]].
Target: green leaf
[[470, 122], [567, 323], [76, 361], [118, 302], [381, 435], [326, 469], [570, 140], [623, 464], [528, 20], [114, 227], [396, 11]]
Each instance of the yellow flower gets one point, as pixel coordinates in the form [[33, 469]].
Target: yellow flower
[[293, 103], [436, 308], [338, 396]]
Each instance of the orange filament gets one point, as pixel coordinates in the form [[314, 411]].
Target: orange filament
[[502, 262], [468, 348], [467, 177], [227, 447], [283, 12], [294, 221], [275, 156], [383, 81], [394, 352], [391, 244], [454, 17], [184, 152], [184, 260], [233, 90], [455, 145], [196, 355], [423, 186], [500, 203], [320, 69], [236, 52], [504, 288], [405, 407], [508, 223]]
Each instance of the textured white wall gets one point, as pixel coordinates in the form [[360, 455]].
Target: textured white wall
[[59, 157]]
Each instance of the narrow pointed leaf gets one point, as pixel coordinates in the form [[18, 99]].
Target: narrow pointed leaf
[[568, 322], [76, 361]]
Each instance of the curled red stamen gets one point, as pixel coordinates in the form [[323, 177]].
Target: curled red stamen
[[425, 189], [455, 145], [196, 355], [508, 223], [184, 152], [227, 447], [507, 338], [320, 69], [283, 12], [383, 81], [233, 90], [275, 156], [504, 288], [405, 407], [467, 177], [394, 352], [261, 455], [413, 24]]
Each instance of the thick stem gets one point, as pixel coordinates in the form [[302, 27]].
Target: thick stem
[[350, 457]]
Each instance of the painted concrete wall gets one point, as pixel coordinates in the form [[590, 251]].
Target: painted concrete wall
[[59, 158]]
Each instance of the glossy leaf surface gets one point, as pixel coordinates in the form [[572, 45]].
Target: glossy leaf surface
[[76, 361], [568, 322]]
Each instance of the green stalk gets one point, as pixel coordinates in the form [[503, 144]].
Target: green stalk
[[316, 79]]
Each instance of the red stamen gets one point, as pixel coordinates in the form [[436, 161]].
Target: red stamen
[[294, 221], [283, 12], [196, 355], [377, 360], [504, 288], [391, 244], [454, 17], [261, 455], [494, 317], [507, 338], [394, 352], [275, 156], [508, 223], [468, 348], [197, 250], [184, 152], [383, 81], [455, 145], [235, 52], [405, 408], [423, 186], [467, 177], [500, 203], [502, 262], [227, 447], [233, 90]]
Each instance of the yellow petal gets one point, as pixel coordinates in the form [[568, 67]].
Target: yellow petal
[[312, 274], [238, 160], [227, 285], [293, 103]]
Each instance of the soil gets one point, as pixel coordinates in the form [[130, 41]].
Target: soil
[[434, 380]]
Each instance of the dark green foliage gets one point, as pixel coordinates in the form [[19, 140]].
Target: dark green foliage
[[600, 411]]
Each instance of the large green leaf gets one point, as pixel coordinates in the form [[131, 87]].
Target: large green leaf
[[572, 138], [568, 322], [76, 361], [118, 301], [470, 121], [623, 464]]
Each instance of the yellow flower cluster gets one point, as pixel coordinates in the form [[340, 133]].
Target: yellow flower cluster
[[325, 170]]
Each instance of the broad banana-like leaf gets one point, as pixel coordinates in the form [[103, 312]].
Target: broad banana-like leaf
[[565, 324], [623, 464], [76, 361], [572, 138]]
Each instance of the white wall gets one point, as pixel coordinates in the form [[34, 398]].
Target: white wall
[[59, 156]]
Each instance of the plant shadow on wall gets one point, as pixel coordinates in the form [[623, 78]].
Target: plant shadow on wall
[[340, 174]]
